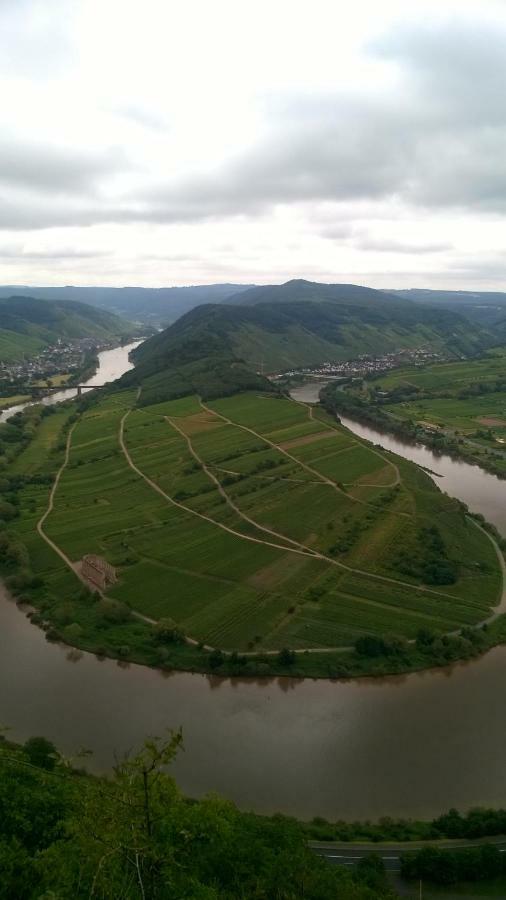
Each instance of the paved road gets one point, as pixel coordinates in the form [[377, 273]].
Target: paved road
[[348, 854]]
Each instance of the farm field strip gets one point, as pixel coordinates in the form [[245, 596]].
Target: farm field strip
[[329, 559], [188, 509], [284, 452], [413, 475], [333, 562], [230, 502], [271, 477]]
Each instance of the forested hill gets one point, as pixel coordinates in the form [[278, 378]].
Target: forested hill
[[150, 305], [215, 347], [298, 289], [484, 307], [27, 324]]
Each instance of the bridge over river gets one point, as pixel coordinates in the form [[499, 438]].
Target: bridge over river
[[41, 390]]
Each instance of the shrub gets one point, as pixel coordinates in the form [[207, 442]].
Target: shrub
[[114, 610], [41, 752], [286, 657], [167, 632], [216, 659]]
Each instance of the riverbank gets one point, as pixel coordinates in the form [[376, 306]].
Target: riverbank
[[339, 403], [334, 749], [13, 400]]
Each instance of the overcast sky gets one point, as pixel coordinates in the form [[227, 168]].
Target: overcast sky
[[160, 142]]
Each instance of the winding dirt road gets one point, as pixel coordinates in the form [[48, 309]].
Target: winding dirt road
[[40, 524]]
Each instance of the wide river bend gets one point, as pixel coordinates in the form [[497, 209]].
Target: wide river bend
[[410, 746]]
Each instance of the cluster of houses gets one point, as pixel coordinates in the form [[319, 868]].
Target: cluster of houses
[[367, 365], [62, 357]]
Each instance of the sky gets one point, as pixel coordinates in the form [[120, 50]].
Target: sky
[[172, 142]]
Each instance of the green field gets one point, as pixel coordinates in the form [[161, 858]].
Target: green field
[[464, 402], [277, 528], [449, 375], [13, 400]]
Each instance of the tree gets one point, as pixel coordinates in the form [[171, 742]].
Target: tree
[[370, 645], [286, 657], [134, 836], [216, 659], [167, 632], [41, 752]]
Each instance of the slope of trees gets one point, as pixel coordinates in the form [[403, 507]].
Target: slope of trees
[[69, 835]]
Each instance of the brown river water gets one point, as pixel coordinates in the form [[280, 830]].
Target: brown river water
[[403, 746]]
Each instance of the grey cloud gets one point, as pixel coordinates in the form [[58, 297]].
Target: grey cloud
[[482, 266], [389, 245], [338, 231], [142, 116], [53, 169], [18, 253], [461, 62], [438, 140]]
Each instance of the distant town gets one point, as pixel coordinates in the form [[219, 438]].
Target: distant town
[[365, 365], [64, 357]]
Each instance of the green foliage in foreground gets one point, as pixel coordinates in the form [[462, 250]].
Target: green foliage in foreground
[[67, 835], [450, 866]]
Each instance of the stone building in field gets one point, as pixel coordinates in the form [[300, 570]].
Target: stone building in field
[[98, 571]]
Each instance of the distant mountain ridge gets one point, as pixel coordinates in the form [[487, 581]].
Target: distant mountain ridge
[[484, 307], [299, 289], [152, 305], [28, 324], [300, 323]]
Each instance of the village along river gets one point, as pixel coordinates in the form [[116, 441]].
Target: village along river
[[411, 746], [111, 365]]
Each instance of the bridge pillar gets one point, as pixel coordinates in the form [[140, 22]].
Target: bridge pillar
[[79, 390]]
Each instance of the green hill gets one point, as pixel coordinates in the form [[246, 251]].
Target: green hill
[[27, 324], [149, 305], [298, 289], [215, 348], [484, 307]]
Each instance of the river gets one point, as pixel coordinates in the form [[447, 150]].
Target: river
[[484, 493], [403, 746], [111, 365]]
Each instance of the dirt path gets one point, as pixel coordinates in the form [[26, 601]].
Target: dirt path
[[260, 437], [501, 606], [40, 524], [269, 477], [276, 534], [361, 444], [193, 512], [61, 553], [296, 548], [329, 559]]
